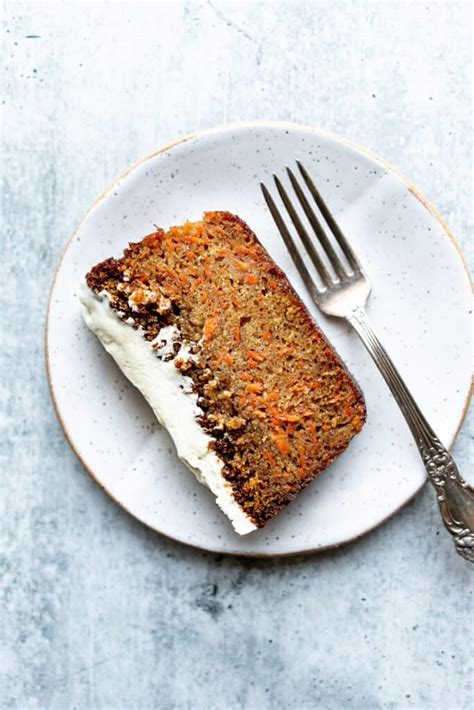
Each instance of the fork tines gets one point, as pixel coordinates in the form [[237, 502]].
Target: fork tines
[[325, 245]]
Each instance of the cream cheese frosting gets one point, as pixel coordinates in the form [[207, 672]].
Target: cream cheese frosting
[[167, 390]]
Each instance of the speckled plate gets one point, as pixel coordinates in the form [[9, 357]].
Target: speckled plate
[[420, 306]]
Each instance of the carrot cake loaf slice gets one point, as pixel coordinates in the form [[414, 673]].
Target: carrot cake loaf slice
[[208, 328]]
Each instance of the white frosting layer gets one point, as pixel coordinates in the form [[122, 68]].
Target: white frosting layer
[[168, 392]]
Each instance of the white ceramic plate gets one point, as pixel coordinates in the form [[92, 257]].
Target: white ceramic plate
[[420, 306]]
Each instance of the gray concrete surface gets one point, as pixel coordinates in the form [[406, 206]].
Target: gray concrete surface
[[99, 613]]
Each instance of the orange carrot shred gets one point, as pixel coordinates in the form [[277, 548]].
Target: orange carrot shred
[[189, 239], [255, 356], [209, 327], [241, 265], [245, 250], [251, 279], [153, 239], [255, 387], [266, 335], [287, 417], [269, 457], [228, 359], [281, 442]]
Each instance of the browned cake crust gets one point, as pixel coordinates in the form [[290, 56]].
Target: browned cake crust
[[277, 401]]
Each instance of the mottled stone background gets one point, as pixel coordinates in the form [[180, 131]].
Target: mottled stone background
[[98, 612]]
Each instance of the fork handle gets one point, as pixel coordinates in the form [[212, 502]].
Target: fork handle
[[455, 497]]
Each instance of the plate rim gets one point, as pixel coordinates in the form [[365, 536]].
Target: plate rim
[[168, 146]]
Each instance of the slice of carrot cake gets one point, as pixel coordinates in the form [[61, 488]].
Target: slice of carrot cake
[[208, 328]]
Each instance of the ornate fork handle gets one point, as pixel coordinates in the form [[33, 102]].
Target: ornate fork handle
[[455, 496]]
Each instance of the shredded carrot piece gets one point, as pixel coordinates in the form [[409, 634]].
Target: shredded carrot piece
[[236, 303], [267, 335], [170, 272], [209, 327], [241, 265], [228, 359], [252, 400], [268, 456], [204, 297], [190, 254], [273, 395], [281, 442], [347, 410], [245, 250], [223, 252], [255, 387], [312, 427], [251, 279], [273, 284], [189, 239], [255, 356], [237, 333], [252, 363], [243, 399], [287, 417], [273, 410], [152, 239], [245, 376]]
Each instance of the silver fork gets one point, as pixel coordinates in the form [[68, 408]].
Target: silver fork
[[345, 297]]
